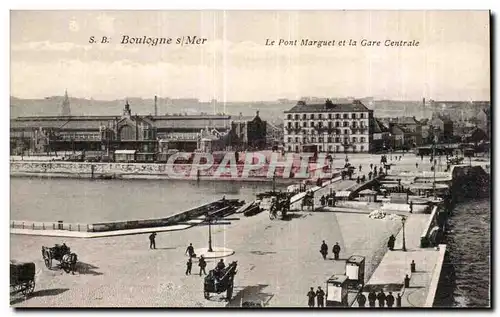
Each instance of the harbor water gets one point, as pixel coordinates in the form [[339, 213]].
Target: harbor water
[[465, 279], [91, 201]]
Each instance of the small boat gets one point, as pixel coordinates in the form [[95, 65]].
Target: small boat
[[253, 210], [243, 208]]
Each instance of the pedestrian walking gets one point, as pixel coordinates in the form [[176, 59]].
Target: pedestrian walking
[[370, 175], [381, 298], [323, 201], [324, 250], [371, 166], [320, 297], [202, 264], [190, 251], [411, 207], [152, 241], [311, 295], [372, 297], [360, 167], [361, 299], [391, 242], [189, 265], [390, 300], [336, 250]]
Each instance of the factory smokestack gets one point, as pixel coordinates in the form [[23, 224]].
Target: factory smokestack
[[156, 105]]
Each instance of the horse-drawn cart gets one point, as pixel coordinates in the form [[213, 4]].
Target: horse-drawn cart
[[220, 281], [61, 253], [22, 277], [278, 203]]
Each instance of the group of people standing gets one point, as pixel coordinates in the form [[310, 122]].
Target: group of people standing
[[189, 264], [319, 295], [383, 299], [324, 250]]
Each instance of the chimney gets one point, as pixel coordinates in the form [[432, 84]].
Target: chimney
[[156, 106]]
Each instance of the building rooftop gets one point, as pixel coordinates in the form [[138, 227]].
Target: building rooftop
[[328, 106]]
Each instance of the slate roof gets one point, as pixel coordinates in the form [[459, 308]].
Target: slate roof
[[355, 106]]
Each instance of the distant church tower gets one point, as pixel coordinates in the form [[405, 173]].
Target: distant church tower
[[126, 111], [65, 109]]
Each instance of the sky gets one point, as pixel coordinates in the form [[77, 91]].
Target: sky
[[50, 52]]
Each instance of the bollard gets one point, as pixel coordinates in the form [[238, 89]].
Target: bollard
[[53, 226], [78, 227], [69, 227], [23, 224], [43, 225], [412, 266], [407, 281], [33, 225]]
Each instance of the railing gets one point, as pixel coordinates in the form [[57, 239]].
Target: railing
[[33, 225]]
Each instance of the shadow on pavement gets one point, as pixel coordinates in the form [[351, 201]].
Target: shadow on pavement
[[85, 268], [251, 294], [41, 293], [385, 287], [290, 216]]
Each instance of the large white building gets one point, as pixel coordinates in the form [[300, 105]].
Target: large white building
[[329, 127]]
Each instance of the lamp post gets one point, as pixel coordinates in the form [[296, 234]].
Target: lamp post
[[210, 234], [403, 220]]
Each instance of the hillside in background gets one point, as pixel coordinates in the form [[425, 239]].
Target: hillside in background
[[269, 110]]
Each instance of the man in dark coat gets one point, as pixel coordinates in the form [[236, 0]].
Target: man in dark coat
[[202, 264], [360, 167], [390, 300], [324, 250], [398, 300], [190, 250], [381, 298], [390, 243], [152, 242], [361, 299], [372, 297], [336, 250], [320, 297], [311, 294], [189, 265]]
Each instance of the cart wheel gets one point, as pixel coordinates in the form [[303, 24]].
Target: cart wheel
[[28, 288], [206, 294], [229, 293]]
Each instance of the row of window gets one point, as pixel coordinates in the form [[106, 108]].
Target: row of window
[[330, 148], [354, 124], [334, 131], [78, 136], [328, 140], [329, 116]]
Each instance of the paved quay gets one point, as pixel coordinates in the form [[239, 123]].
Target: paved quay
[[278, 261], [389, 275]]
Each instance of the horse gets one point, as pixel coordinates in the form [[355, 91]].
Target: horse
[[68, 262]]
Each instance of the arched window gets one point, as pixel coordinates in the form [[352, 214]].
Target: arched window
[[127, 133]]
